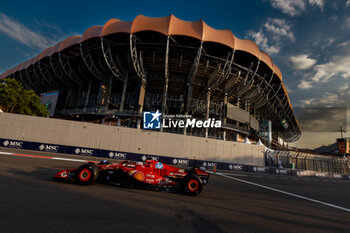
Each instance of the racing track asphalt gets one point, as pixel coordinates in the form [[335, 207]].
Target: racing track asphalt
[[31, 202]]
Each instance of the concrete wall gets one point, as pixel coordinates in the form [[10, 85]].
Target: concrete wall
[[72, 133]]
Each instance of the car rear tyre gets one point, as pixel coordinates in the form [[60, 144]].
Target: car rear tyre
[[192, 185]]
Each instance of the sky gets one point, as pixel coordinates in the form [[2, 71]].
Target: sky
[[309, 40]]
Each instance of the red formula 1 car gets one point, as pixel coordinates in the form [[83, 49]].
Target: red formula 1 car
[[149, 174]]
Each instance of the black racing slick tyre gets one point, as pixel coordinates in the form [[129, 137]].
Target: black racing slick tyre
[[86, 174], [193, 170], [192, 185]]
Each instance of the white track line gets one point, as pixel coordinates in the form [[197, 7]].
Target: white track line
[[284, 192], [233, 174], [46, 157], [67, 159], [5, 153]]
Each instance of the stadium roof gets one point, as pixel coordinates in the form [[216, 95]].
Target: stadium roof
[[169, 25]]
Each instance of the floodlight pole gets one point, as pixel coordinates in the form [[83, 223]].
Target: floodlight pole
[[207, 111], [224, 116], [341, 131]]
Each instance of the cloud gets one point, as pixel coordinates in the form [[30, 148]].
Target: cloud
[[327, 99], [296, 7], [279, 28], [271, 34], [344, 87], [316, 119], [302, 62], [262, 41], [338, 66], [344, 44], [290, 7], [23, 34], [333, 17], [328, 43], [273, 49], [259, 38], [310, 101], [305, 84], [347, 3], [318, 3], [289, 90], [330, 98], [347, 23]]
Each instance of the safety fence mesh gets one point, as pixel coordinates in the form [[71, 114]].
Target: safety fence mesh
[[307, 161]]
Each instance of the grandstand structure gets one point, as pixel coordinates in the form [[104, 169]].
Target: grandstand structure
[[112, 73]]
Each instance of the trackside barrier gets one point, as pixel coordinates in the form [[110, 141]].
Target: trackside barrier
[[120, 155], [308, 161]]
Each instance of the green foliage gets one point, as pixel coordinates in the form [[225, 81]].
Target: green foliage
[[16, 99]]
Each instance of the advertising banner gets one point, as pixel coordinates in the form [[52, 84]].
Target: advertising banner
[[120, 155], [15, 144], [49, 100], [52, 148]]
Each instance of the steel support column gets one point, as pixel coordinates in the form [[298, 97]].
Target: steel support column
[[207, 111], [269, 99], [67, 97], [244, 80], [280, 102], [121, 105], [87, 96], [250, 83], [261, 91], [33, 85], [137, 60], [125, 85], [194, 68], [188, 103], [231, 82], [142, 93], [90, 65], [46, 75], [56, 69], [107, 54], [139, 68], [166, 80], [22, 80], [224, 119], [42, 84], [260, 103], [67, 69], [191, 76], [226, 70]]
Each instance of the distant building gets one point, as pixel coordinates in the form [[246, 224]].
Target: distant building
[[330, 149], [343, 146]]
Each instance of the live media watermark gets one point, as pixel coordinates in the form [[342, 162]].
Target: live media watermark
[[155, 120]]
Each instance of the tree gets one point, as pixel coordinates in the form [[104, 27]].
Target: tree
[[16, 99]]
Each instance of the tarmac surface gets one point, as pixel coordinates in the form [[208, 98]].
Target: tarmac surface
[[30, 201]]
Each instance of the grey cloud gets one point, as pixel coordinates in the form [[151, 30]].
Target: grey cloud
[[290, 7], [321, 119]]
